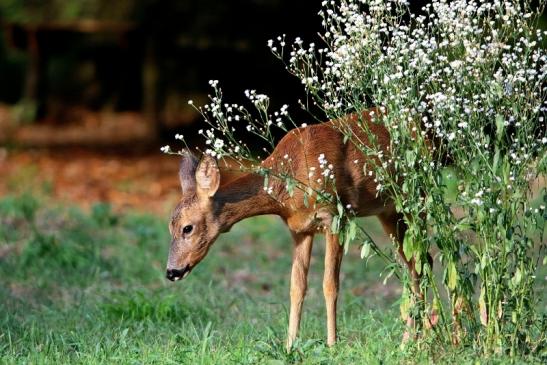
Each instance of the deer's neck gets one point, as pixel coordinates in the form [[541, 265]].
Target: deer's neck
[[243, 198]]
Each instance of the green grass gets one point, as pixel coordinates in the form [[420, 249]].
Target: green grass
[[79, 287]]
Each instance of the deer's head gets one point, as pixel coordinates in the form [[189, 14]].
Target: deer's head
[[193, 226]]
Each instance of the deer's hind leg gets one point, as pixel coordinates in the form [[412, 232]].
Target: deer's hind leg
[[299, 282], [395, 226], [331, 283]]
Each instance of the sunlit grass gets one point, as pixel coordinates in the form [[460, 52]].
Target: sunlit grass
[[89, 287]]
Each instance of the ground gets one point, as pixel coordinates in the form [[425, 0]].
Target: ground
[[83, 245]]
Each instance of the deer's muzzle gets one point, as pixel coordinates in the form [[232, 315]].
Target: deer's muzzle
[[177, 274]]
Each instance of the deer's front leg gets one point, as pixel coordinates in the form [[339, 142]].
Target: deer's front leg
[[299, 282], [331, 283]]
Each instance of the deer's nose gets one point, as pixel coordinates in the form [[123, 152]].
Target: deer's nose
[[177, 274], [174, 274]]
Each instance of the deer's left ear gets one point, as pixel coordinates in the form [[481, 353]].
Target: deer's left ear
[[207, 176]]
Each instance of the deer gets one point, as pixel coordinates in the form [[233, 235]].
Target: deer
[[208, 208]]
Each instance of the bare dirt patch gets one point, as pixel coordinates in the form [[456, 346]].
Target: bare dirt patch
[[145, 181]]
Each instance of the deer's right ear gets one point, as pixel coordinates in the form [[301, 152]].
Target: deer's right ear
[[207, 176], [187, 173]]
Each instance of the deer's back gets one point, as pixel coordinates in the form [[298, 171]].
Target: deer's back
[[317, 156]]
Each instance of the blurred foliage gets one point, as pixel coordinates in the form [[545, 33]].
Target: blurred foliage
[[188, 42], [38, 11]]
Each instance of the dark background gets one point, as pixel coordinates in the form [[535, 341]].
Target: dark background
[[91, 89], [61, 61]]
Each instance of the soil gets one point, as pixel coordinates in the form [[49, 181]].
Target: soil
[[143, 181]]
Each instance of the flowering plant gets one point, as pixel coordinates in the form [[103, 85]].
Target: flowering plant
[[460, 85]]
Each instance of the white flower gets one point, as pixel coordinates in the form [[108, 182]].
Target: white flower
[[165, 149], [476, 201], [456, 64], [219, 143], [179, 136]]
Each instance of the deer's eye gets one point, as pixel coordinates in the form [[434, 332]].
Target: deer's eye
[[187, 229]]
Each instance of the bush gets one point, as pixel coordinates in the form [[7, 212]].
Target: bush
[[462, 83]]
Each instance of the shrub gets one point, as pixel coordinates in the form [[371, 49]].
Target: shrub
[[462, 83]]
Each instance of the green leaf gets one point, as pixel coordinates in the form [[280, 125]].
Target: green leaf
[[408, 247], [346, 137], [352, 230], [496, 160], [405, 305], [389, 274], [517, 277], [335, 224], [418, 264], [451, 275], [365, 250], [463, 224], [290, 187], [482, 308], [410, 157], [347, 241], [340, 209], [483, 262], [500, 126]]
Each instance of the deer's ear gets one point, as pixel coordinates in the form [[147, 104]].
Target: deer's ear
[[207, 176], [187, 173]]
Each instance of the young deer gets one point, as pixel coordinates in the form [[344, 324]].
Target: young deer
[[208, 208]]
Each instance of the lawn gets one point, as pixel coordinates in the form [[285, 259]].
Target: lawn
[[88, 287]]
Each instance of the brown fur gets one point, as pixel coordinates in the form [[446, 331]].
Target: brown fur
[[215, 212]]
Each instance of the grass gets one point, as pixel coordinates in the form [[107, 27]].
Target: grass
[[88, 287]]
